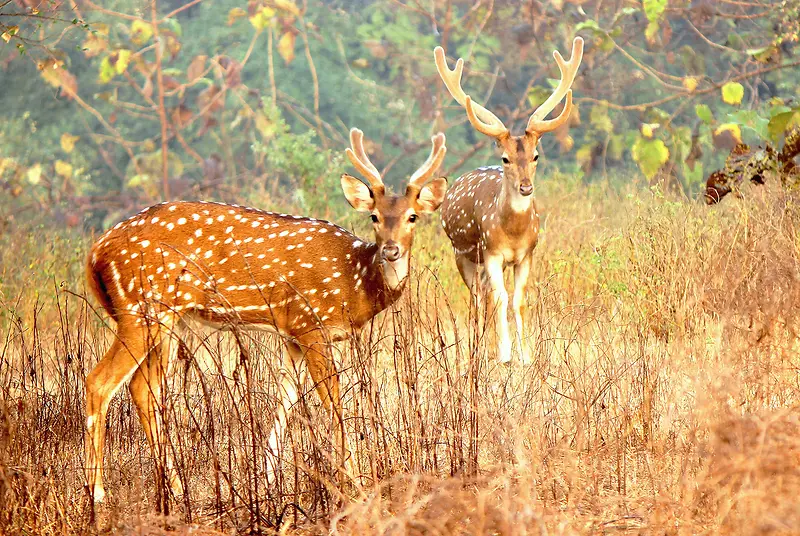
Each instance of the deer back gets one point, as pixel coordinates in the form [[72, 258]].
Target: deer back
[[227, 263]]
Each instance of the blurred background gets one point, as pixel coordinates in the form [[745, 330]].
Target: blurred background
[[108, 108], [663, 397]]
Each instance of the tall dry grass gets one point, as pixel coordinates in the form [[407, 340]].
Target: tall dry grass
[[663, 397]]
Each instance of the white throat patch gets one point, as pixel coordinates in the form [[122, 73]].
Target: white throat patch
[[394, 273], [520, 203]]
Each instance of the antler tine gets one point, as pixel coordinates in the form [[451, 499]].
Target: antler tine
[[482, 119], [568, 71], [360, 160], [421, 175]]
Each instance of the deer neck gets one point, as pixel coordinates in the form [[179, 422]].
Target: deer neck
[[512, 204], [383, 282]]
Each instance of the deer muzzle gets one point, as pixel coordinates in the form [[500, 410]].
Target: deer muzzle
[[526, 188], [390, 251]]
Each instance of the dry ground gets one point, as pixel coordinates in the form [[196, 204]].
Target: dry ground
[[663, 398]]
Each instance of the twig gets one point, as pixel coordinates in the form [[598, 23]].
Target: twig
[[178, 10], [162, 113], [685, 94], [313, 69], [271, 67]]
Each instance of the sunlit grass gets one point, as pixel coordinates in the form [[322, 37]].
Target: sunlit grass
[[662, 399]]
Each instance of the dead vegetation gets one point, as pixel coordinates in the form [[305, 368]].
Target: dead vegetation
[[662, 398]]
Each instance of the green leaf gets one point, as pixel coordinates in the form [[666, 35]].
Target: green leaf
[[588, 25], [750, 119], [537, 95], [650, 155], [598, 116], [653, 9], [174, 26], [704, 112], [732, 92], [779, 123]]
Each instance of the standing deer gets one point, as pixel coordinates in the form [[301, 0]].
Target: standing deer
[[490, 213], [309, 280]]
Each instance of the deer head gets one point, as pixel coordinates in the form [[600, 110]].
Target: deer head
[[520, 155], [394, 217]]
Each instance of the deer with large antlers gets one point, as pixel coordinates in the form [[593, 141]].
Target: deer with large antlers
[[490, 213], [229, 266]]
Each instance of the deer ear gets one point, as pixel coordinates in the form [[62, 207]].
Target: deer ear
[[432, 194], [358, 194]]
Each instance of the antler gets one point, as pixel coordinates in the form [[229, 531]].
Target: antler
[[568, 70], [482, 119], [421, 176], [360, 159]]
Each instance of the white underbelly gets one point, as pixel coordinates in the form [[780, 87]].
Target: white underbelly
[[514, 255]]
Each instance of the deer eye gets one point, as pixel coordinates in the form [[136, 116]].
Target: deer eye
[[374, 218], [412, 218], [506, 160], [536, 158]]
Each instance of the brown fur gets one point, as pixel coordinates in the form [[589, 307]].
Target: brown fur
[[230, 266]]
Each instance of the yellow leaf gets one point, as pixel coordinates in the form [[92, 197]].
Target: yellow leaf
[[265, 126], [566, 143], [235, 14], [732, 93], [287, 5], [263, 18], [584, 155], [141, 32], [123, 59], [286, 47], [64, 169], [5, 163], [690, 83], [68, 142], [10, 32], [648, 129], [732, 128], [34, 174]]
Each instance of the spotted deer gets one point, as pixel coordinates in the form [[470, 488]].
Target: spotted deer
[[490, 213], [228, 266]]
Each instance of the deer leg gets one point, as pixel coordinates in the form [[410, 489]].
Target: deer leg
[[469, 273], [118, 364], [146, 388], [494, 273], [326, 380], [521, 273], [291, 377]]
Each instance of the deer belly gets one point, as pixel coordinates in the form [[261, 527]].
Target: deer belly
[[514, 255]]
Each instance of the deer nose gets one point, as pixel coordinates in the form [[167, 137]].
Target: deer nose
[[390, 251], [526, 189]]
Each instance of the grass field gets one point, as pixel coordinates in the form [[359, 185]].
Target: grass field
[[663, 396]]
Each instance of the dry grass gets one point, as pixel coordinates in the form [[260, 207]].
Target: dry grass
[[663, 398]]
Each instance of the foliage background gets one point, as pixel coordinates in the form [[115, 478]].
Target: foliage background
[[664, 395], [105, 111]]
